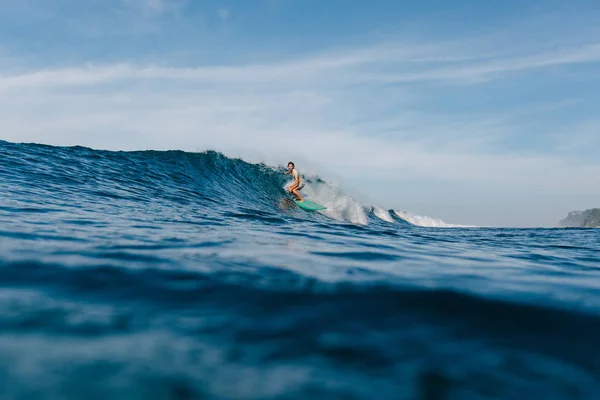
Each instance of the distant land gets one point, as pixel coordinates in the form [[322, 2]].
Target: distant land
[[582, 219]]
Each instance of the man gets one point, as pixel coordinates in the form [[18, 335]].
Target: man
[[298, 183]]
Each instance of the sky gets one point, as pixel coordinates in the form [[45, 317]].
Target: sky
[[475, 112]]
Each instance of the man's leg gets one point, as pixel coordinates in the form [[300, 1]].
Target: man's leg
[[297, 193], [291, 188]]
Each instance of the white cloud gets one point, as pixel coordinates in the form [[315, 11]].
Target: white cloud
[[478, 71], [352, 67], [277, 119]]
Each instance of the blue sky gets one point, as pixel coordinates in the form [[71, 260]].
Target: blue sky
[[476, 112]]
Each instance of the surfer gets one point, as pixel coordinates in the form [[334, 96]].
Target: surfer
[[298, 184]]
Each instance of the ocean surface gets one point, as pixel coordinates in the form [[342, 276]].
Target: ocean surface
[[173, 275]]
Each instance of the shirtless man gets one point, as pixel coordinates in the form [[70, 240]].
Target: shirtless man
[[298, 184]]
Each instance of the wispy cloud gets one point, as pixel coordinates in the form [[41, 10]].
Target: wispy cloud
[[477, 71], [216, 108], [352, 67]]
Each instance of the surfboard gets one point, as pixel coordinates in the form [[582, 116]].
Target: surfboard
[[309, 205]]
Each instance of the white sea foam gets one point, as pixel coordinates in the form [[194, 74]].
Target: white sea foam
[[425, 221], [340, 205], [344, 207], [382, 214]]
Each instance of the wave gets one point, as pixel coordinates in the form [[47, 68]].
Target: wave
[[427, 221], [204, 180], [180, 335], [177, 288]]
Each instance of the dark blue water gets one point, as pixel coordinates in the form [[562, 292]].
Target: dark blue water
[[166, 275]]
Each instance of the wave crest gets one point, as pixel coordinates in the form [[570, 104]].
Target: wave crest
[[176, 179]]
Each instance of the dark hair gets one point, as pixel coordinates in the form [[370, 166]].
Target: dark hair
[[293, 165]]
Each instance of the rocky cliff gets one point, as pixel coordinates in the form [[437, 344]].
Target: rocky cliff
[[582, 219]]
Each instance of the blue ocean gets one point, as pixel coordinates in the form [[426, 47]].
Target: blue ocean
[[165, 275]]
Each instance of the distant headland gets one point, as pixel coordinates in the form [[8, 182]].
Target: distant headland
[[582, 219]]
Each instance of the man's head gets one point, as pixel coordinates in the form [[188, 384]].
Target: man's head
[[291, 166]]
